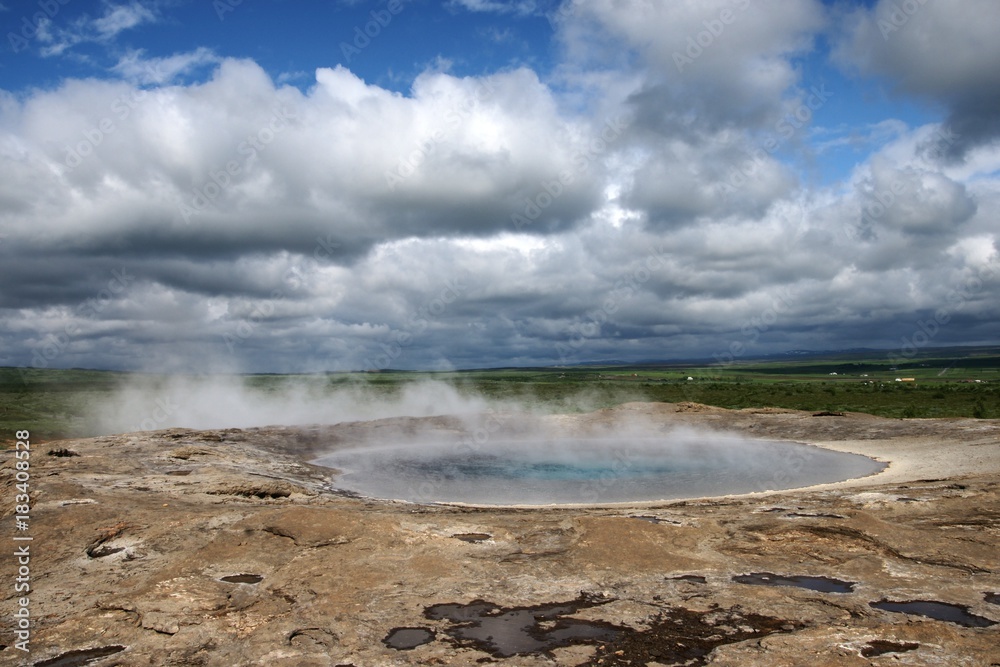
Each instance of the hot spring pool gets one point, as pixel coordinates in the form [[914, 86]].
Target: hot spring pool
[[550, 471]]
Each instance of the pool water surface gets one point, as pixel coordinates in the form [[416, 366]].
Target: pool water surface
[[550, 471]]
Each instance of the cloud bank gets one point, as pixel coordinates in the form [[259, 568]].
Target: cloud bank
[[637, 203]]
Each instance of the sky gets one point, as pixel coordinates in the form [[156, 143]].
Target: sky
[[278, 186]]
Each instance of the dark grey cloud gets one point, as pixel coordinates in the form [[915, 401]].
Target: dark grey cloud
[[941, 51], [712, 65]]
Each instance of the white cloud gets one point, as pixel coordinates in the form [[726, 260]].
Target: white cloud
[[518, 7], [120, 18], [134, 66], [350, 226], [103, 29], [725, 61]]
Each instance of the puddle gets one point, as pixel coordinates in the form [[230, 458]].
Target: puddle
[[404, 639], [81, 657], [939, 611], [878, 647], [473, 537], [820, 584], [691, 578], [992, 598], [681, 636], [242, 579], [676, 636], [519, 630]]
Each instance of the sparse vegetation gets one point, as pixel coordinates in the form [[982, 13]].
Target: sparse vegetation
[[957, 382]]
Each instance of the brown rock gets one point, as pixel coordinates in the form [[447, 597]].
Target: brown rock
[[336, 574]]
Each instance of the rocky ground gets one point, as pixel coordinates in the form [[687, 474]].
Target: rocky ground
[[225, 548]]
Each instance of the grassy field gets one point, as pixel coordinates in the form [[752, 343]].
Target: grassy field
[[955, 382]]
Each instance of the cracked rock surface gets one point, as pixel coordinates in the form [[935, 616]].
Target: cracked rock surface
[[225, 548]]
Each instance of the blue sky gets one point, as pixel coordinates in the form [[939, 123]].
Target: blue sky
[[288, 38], [479, 182]]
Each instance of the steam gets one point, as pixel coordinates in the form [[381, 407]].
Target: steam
[[155, 402], [485, 450], [215, 402]]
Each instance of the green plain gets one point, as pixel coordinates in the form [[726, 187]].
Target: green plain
[[948, 382]]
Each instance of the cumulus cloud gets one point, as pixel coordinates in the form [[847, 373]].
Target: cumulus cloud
[[196, 212], [219, 161], [944, 52], [719, 62], [917, 201], [709, 80]]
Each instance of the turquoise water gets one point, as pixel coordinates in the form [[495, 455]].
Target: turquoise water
[[541, 472]]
